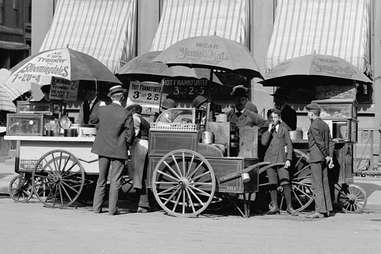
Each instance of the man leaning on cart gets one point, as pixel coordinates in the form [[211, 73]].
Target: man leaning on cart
[[115, 131]]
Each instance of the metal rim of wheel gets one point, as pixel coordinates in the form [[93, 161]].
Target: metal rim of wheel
[[183, 183], [301, 183], [352, 198], [58, 178], [20, 189]]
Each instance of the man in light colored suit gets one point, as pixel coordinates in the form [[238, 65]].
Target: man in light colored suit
[[115, 132]]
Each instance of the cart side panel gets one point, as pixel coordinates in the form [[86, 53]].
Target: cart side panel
[[162, 142], [31, 151], [228, 165]]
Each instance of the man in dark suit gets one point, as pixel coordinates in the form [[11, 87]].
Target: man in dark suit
[[288, 114], [321, 150], [114, 133], [279, 150]]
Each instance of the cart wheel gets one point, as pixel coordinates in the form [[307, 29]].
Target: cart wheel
[[352, 198], [301, 183], [58, 178], [20, 188], [183, 183]]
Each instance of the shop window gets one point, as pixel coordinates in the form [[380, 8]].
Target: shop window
[[364, 94]]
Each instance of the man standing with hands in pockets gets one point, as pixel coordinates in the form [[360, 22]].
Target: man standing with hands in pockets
[[321, 150]]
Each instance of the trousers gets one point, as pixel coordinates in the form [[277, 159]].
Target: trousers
[[139, 151], [115, 174], [320, 185]]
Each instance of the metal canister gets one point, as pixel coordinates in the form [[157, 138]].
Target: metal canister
[[207, 137]]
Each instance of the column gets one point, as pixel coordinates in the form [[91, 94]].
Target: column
[[42, 16]]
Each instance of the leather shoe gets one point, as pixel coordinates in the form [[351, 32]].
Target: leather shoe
[[292, 212], [273, 211], [114, 213], [142, 210], [315, 216]]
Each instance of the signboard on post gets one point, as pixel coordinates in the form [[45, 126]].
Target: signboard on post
[[63, 89], [147, 94]]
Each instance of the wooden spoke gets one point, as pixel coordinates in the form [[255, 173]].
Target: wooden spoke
[[167, 175], [176, 202], [297, 188], [190, 165], [172, 170], [184, 204], [200, 191], [198, 199], [65, 191], [297, 198], [70, 187], [196, 169], [203, 174], [204, 184], [61, 196], [190, 200], [171, 196], [177, 165], [165, 192], [66, 162], [170, 183]]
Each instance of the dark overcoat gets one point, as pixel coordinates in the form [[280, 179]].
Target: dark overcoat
[[115, 131], [279, 145]]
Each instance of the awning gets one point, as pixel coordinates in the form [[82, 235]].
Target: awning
[[104, 29], [328, 27], [10, 45], [182, 19]]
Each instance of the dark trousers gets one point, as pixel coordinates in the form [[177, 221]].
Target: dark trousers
[[115, 174], [320, 185]]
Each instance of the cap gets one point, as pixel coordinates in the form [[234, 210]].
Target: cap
[[276, 111], [168, 103], [313, 107], [239, 90], [198, 101], [116, 89]]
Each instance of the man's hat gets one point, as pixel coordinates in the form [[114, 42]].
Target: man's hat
[[239, 90], [198, 101], [45, 88], [313, 107], [116, 89]]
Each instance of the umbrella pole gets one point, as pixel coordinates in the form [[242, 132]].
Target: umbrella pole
[[208, 107]]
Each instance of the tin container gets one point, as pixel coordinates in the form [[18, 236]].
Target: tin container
[[207, 137]]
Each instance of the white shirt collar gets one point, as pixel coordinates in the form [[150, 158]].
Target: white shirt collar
[[117, 102]]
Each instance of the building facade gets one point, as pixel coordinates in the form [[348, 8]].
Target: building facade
[[15, 31]]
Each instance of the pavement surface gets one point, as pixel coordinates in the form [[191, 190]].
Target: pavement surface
[[31, 228]]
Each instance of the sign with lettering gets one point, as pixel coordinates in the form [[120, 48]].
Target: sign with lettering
[[64, 90], [147, 94], [42, 67], [186, 89]]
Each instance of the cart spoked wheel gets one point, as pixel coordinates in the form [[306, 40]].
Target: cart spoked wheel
[[20, 188], [301, 183], [352, 198], [183, 183], [58, 179]]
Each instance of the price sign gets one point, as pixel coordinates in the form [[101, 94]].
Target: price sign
[[147, 94], [186, 89], [62, 89]]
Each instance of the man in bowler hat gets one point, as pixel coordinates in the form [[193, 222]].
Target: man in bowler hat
[[321, 150], [115, 131]]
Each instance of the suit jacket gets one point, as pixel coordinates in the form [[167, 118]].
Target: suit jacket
[[115, 131], [277, 142], [84, 115], [319, 141]]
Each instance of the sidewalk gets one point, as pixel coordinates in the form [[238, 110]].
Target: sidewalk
[[7, 171]]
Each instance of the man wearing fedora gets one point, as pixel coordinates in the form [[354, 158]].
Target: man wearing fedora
[[115, 131], [321, 151]]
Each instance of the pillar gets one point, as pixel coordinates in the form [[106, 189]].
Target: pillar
[[42, 16], [148, 21]]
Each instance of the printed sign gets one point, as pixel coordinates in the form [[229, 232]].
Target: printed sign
[[186, 89], [147, 94], [62, 89]]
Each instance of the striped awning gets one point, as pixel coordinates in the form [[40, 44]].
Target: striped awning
[[328, 27], [182, 19], [104, 29]]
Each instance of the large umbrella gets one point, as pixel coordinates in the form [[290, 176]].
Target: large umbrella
[[212, 52], [310, 68], [63, 63], [144, 68]]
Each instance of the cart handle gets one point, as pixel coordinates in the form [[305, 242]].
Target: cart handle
[[235, 175]]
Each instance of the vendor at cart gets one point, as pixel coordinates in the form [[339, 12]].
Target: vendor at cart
[[91, 103], [245, 113]]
